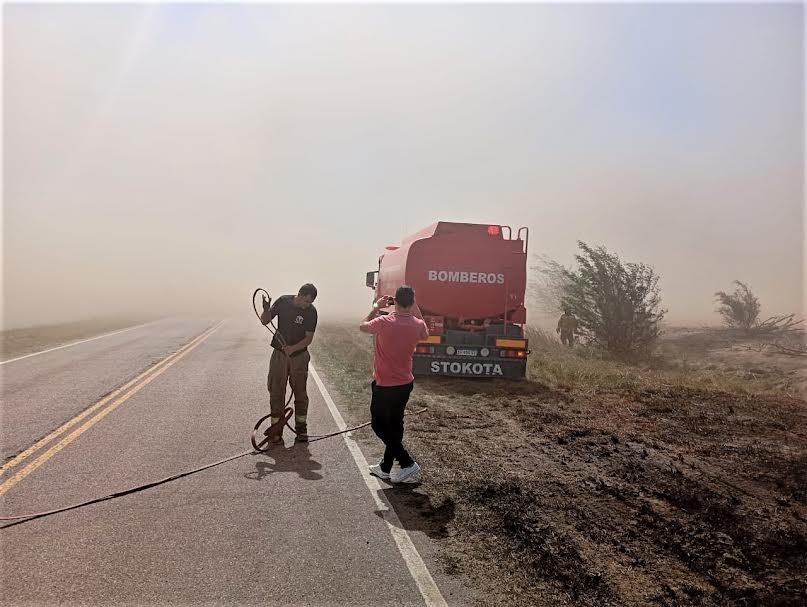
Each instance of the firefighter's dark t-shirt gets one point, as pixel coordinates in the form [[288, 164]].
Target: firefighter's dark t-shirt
[[292, 322]]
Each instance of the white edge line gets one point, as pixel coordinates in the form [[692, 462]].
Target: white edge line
[[93, 409], [75, 343], [423, 579]]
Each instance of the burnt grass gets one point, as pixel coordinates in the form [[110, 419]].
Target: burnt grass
[[539, 495]]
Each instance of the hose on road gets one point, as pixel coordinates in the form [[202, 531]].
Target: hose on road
[[121, 493], [27, 517], [273, 430]]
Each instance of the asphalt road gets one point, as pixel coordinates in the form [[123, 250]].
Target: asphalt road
[[300, 525]]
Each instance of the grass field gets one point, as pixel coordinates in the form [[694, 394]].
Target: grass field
[[19, 342]]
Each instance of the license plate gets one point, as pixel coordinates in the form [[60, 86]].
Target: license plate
[[465, 352]]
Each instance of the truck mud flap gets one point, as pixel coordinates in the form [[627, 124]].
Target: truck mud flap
[[423, 366]]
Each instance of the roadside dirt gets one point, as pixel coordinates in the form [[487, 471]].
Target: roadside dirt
[[540, 495]]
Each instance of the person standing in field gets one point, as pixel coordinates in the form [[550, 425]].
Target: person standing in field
[[396, 336], [567, 325], [296, 323]]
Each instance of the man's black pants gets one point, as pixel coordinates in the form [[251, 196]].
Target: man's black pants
[[387, 415]]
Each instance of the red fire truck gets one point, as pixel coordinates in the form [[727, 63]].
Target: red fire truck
[[470, 281]]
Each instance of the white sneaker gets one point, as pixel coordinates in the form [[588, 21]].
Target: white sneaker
[[405, 473], [376, 470]]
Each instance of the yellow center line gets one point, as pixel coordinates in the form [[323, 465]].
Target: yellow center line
[[148, 375], [18, 459]]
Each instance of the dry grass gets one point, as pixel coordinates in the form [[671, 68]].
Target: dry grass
[[19, 342], [694, 368]]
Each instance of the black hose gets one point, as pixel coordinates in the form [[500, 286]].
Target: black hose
[[21, 518]]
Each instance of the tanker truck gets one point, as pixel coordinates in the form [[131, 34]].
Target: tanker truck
[[469, 281]]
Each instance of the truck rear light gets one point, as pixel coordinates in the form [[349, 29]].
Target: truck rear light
[[514, 353], [494, 230], [433, 339], [511, 343], [424, 350]]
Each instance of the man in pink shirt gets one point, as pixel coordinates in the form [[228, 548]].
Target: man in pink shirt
[[396, 336]]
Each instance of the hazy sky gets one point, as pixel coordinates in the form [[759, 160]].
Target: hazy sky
[[175, 157]]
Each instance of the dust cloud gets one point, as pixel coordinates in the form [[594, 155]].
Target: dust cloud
[[168, 159]]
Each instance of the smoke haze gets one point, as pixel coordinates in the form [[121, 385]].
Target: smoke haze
[[161, 159]]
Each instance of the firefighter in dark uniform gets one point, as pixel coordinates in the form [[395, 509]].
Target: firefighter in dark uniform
[[567, 325], [296, 323]]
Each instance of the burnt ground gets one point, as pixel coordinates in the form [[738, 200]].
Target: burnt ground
[[656, 494]]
